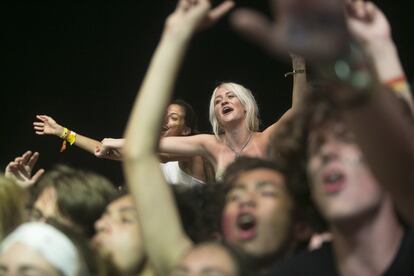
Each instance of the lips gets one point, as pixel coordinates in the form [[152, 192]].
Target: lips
[[333, 181], [246, 224], [226, 110]]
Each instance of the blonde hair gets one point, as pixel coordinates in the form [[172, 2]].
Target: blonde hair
[[12, 204], [247, 100]]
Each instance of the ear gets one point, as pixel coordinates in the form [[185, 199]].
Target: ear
[[186, 131]]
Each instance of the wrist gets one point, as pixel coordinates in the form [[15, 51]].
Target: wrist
[[61, 132], [180, 35], [379, 47], [386, 60]]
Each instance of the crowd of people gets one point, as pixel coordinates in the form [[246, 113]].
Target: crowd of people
[[325, 190]]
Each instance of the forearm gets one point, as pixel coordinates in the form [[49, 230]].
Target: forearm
[[86, 143], [387, 65], [166, 242], [141, 163], [80, 141], [153, 98]]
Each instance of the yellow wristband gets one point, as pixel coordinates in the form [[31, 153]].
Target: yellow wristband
[[64, 133], [71, 138]]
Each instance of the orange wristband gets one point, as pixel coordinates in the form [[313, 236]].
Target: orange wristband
[[398, 84]]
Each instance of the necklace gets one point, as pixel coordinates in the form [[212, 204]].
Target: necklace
[[237, 153]]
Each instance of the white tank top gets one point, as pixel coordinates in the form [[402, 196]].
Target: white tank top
[[174, 175]]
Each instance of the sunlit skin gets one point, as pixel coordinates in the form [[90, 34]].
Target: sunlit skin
[[174, 122], [118, 235], [21, 259], [206, 259], [342, 184], [262, 195]]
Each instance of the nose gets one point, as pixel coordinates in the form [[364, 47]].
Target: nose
[[248, 200], [101, 224], [329, 151], [165, 121]]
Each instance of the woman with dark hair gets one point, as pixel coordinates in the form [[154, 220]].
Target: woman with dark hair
[[180, 120]]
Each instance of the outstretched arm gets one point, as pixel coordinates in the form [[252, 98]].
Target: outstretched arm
[[384, 132], [141, 163], [46, 125]]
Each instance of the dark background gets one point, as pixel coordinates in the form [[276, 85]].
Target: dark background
[[82, 63]]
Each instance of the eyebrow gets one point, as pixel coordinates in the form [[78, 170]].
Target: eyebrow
[[228, 92], [127, 209], [238, 186], [173, 113], [265, 183], [180, 268], [212, 269], [25, 268]]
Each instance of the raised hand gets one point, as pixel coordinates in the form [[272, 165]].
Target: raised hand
[[20, 170], [366, 22], [197, 14], [315, 29], [110, 149], [47, 126]]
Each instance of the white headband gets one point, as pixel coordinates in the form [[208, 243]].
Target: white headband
[[52, 244]]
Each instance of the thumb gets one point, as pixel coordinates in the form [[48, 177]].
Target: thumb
[[37, 175]]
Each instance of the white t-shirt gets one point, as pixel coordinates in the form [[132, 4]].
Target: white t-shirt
[[174, 175]]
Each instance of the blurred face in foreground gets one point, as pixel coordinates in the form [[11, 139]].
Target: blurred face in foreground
[[342, 185], [118, 235]]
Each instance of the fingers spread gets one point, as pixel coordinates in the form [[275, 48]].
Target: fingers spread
[[33, 159], [25, 157]]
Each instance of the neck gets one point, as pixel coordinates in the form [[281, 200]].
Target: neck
[[368, 244], [237, 137]]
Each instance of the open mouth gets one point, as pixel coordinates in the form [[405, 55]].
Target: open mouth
[[333, 181], [247, 226], [226, 110]]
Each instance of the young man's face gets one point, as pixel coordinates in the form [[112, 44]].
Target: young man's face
[[257, 216], [342, 184], [118, 235]]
